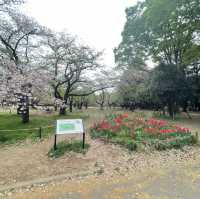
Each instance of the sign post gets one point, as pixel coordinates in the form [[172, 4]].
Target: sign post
[[83, 140], [69, 126], [55, 142]]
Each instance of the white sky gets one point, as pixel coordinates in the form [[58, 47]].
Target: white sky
[[98, 23]]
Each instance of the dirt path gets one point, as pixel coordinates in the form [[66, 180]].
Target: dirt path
[[193, 123], [126, 175], [181, 182], [120, 174], [28, 161]]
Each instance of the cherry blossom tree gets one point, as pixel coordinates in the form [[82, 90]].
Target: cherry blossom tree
[[70, 64], [20, 73]]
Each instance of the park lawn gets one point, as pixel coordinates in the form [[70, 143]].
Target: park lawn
[[13, 122]]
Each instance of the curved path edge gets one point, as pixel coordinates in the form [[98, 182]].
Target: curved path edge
[[43, 181]]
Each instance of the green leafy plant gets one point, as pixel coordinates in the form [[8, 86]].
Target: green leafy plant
[[148, 133], [64, 146]]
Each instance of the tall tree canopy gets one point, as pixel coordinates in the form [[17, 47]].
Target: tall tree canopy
[[168, 33], [163, 30]]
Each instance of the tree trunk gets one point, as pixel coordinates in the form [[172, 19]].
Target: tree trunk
[[171, 110], [80, 105], [86, 105], [25, 116], [71, 106], [185, 107], [62, 111], [198, 107], [23, 108], [163, 111], [18, 110]]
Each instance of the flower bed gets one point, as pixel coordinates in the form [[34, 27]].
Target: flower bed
[[139, 133]]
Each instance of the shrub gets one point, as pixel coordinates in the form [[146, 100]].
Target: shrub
[[63, 147]]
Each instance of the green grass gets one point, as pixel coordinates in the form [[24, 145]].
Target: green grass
[[177, 143], [177, 117], [64, 146], [127, 142], [13, 122]]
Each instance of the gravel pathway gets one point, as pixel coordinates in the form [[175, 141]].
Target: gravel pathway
[[180, 182]]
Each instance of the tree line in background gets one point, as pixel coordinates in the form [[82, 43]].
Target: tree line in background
[[38, 65], [167, 33], [41, 67]]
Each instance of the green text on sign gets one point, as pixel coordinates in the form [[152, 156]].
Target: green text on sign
[[68, 126]]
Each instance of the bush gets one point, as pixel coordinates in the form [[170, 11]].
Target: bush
[[101, 134], [125, 141], [63, 147], [177, 143]]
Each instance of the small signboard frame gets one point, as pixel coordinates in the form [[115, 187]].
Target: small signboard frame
[[69, 126]]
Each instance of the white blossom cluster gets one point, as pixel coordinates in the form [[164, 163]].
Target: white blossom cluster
[[32, 83]]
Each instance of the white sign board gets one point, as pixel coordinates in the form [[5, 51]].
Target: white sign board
[[68, 126]]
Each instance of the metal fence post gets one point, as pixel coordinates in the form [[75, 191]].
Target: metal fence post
[[40, 132], [83, 140]]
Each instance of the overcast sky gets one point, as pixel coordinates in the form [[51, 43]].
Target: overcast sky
[[98, 23]]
